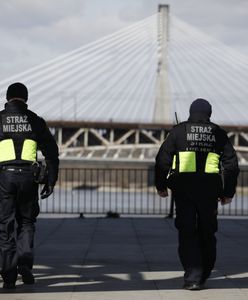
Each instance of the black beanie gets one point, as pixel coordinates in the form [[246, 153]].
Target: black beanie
[[17, 90], [200, 106]]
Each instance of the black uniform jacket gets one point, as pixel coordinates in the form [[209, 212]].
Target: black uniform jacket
[[18, 123], [199, 135]]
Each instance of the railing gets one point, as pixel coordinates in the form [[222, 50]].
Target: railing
[[122, 191]]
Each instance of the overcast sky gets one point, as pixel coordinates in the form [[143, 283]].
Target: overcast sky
[[34, 31]]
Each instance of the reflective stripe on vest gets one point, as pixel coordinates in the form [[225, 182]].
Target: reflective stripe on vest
[[187, 161], [212, 163], [174, 162], [7, 150], [29, 150]]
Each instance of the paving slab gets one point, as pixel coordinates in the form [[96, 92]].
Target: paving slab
[[127, 258]]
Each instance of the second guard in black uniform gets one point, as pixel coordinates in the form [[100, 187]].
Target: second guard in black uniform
[[22, 133], [191, 162]]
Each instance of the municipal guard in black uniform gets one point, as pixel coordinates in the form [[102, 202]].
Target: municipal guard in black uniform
[[198, 163], [22, 133]]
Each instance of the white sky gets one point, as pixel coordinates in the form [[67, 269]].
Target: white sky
[[34, 31]]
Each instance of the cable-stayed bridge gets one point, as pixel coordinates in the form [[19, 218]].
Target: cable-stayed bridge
[[115, 98]]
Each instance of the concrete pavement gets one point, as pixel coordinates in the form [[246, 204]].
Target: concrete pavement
[[127, 258]]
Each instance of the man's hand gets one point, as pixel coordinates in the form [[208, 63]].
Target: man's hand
[[163, 193], [225, 200], [46, 191]]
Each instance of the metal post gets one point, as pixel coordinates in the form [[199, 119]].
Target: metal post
[[86, 137], [162, 112], [60, 136], [112, 136]]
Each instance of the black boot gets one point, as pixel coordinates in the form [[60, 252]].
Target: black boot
[[193, 286], [27, 276], [9, 285]]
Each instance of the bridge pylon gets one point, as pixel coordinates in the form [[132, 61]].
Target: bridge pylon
[[162, 113]]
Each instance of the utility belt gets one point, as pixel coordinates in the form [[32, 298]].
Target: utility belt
[[16, 168], [39, 170]]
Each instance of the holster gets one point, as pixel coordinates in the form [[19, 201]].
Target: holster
[[172, 180], [40, 173]]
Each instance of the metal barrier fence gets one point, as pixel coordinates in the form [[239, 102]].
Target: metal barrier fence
[[122, 191]]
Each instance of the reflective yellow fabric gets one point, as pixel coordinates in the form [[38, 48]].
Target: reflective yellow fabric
[[7, 150], [174, 162], [29, 150], [187, 161], [212, 163]]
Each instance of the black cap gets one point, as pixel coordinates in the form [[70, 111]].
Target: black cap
[[201, 106], [17, 90]]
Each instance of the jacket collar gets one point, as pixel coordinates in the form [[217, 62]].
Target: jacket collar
[[16, 105], [199, 117]]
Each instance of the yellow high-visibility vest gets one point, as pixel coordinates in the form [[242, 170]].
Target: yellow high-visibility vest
[[7, 150], [187, 162]]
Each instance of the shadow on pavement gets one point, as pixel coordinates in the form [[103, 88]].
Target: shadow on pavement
[[90, 255]]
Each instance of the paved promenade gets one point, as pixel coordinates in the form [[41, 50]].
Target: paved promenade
[[127, 258]]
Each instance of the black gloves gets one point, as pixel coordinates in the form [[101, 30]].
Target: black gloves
[[46, 191]]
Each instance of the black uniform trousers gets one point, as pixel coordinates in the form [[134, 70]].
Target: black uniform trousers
[[196, 221], [18, 211]]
